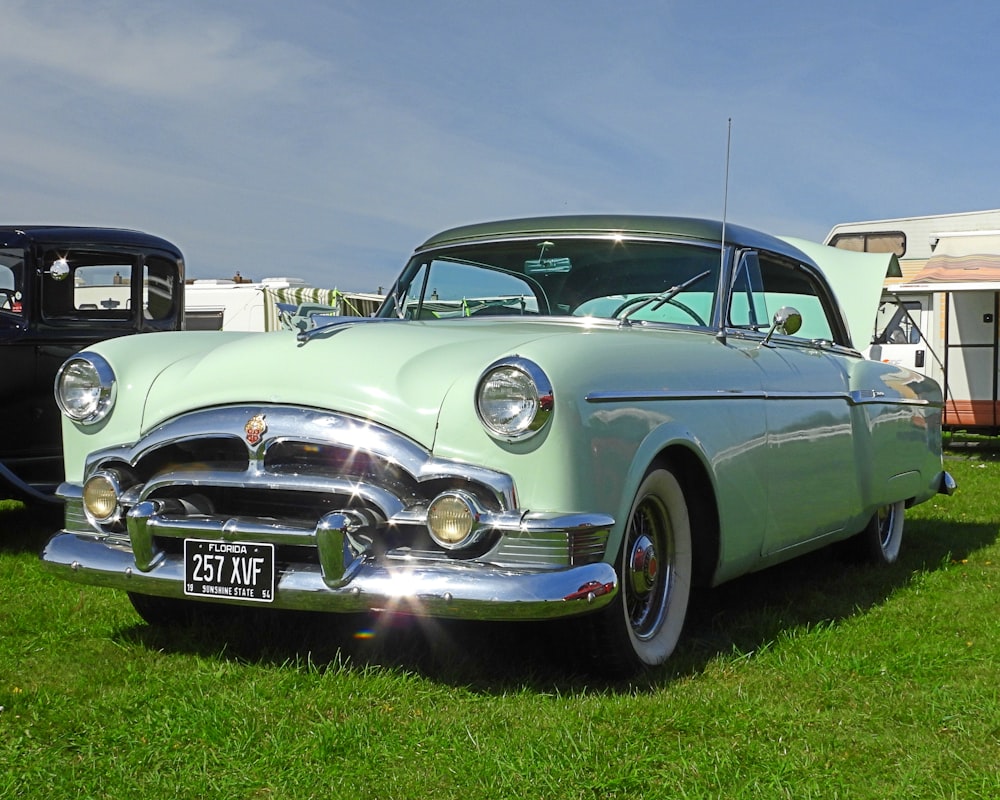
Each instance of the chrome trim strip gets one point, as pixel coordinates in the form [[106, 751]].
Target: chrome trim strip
[[668, 394], [384, 499], [442, 588], [854, 398], [870, 396]]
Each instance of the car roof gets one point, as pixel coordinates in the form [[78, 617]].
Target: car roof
[[626, 224], [17, 235]]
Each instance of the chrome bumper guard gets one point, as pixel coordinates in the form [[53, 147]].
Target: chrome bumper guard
[[348, 577], [947, 484]]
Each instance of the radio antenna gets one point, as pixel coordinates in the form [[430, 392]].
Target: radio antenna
[[725, 191], [721, 334]]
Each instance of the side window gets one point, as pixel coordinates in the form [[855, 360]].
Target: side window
[[99, 286], [763, 284], [788, 284], [10, 282], [747, 308], [159, 288]]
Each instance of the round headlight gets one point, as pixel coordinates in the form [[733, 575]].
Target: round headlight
[[100, 497], [451, 519], [85, 388], [514, 398]]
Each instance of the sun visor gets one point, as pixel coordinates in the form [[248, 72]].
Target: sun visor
[[856, 279]]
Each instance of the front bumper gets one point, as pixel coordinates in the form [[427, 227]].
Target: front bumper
[[442, 589]]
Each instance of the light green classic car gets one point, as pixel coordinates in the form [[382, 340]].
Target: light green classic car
[[562, 417]]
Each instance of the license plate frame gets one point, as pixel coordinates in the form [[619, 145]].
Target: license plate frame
[[234, 571]]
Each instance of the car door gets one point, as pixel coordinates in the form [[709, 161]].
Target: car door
[[812, 483], [17, 359]]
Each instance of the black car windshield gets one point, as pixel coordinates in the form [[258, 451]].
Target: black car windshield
[[674, 282]]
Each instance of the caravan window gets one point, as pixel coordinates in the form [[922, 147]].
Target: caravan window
[[872, 242]]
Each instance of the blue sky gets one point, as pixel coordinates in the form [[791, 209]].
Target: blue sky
[[325, 140]]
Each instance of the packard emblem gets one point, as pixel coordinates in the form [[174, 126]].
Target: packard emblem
[[255, 429]]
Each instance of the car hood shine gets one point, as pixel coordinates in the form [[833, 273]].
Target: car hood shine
[[393, 372]]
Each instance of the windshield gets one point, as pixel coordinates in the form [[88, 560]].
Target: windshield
[[583, 277]]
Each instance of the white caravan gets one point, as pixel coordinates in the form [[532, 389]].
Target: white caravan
[[940, 317], [272, 304]]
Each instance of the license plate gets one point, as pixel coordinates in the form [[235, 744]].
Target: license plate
[[229, 570]]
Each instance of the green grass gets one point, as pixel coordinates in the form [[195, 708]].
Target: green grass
[[810, 680]]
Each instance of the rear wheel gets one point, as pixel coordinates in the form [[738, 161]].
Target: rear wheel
[[880, 541], [882, 538], [641, 627]]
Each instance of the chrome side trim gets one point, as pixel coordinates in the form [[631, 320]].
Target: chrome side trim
[[653, 395], [854, 398]]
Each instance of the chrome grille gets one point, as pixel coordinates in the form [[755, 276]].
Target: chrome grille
[[210, 480]]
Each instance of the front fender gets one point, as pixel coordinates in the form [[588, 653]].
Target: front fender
[[732, 479]]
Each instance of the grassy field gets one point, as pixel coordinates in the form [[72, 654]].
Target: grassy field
[[811, 680]]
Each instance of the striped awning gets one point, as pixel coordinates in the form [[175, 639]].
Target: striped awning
[[309, 299], [971, 257]]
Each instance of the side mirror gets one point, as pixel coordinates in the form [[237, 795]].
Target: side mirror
[[59, 271], [786, 321]]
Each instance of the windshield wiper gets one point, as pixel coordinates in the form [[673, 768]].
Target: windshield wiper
[[666, 296]]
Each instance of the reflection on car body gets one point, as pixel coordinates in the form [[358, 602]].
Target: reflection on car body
[[573, 417]]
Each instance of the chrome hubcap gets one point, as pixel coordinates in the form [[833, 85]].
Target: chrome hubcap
[[647, 580], [644, 565]]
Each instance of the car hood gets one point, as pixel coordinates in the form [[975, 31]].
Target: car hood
[[393, 372], [856, 279]]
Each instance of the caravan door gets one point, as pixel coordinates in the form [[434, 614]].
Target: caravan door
[[971, 360]]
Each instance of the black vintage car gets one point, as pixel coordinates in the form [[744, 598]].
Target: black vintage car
[[61, 290]]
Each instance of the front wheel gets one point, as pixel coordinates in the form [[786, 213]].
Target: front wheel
[[641, 627]]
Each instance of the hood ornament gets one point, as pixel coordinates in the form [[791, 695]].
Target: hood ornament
[[255, 429]]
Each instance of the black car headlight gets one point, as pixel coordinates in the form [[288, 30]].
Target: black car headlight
[[514, 398], [85, 388]]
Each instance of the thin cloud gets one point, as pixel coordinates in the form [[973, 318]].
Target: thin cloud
[[149, 50]]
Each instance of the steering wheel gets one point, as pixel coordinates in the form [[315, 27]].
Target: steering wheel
[[672, 301], [499, 310]]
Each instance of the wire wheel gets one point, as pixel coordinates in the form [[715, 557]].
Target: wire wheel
[[641, 628]]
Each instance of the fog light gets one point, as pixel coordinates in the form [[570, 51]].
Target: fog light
[[451, 519], [100, 498]]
